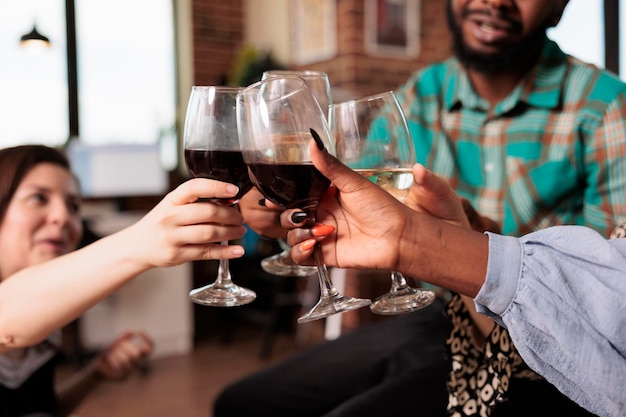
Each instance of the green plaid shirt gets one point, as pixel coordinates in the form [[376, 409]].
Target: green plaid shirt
[[552, 152]]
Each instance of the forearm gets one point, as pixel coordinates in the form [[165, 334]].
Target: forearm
[[60, 290], [445, 255]]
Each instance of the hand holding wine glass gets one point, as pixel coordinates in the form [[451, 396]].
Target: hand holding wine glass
[[277, 119], [212, 150], [281, 264], [372, 137]]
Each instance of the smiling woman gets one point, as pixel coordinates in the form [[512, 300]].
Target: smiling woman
[[45, 283]]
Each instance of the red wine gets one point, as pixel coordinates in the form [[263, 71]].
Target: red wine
[[227, 166], [290, 185]]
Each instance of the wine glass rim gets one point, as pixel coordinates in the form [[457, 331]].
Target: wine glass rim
[[259, 83], [367, 98], [224, 88], [253, 88], [297, 73]]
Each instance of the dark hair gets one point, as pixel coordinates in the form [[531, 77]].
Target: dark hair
[[17, 161]]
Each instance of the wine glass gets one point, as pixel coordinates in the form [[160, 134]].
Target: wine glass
[[277, 119], [372, 137], [212, 150], [281, 263]]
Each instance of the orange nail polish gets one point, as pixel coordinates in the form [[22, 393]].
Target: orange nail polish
[[307, 245], [321, 230]]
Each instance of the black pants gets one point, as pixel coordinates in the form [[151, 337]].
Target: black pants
[[393, 368], [396, 367]]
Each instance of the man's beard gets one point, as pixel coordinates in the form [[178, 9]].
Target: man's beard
[[517, 55]]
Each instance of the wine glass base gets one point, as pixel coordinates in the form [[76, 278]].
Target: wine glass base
[[282, 265], [332, 305], [403, 301], [224, 296]]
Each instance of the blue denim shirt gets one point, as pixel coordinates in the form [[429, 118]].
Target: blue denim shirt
[[561, 293]]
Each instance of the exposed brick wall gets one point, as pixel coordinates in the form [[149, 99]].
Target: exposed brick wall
[[355, 70], [218, 36]]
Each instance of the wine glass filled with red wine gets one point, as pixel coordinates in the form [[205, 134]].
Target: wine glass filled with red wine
[[281, 263], [278, 118], [212, 150]]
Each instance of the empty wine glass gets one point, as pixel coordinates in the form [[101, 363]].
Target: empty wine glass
[[212, 150], [372, 137], [277, 119], [281, 263]]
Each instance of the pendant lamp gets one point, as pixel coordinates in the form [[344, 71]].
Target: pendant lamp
[[34, 40]]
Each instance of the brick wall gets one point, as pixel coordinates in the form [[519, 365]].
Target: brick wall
[[218, 35], [356, 70]]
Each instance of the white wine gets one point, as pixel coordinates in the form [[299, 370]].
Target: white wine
[[396, 181]]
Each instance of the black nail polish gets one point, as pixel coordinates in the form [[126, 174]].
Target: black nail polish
[[318, 139], [298, 217], [262, 202]]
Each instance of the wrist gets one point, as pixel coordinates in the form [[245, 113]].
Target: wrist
[[410, 244], [445, 255]]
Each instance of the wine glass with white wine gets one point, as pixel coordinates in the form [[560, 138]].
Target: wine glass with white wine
[[372, 137]]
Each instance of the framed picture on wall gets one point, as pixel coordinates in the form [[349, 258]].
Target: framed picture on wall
[[392, 27], [313, 30]]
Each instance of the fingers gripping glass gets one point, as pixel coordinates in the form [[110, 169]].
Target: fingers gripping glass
[[281, 264], [277, 119], [212, 150]]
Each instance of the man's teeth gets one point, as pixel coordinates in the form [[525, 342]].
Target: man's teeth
[[487, 27]]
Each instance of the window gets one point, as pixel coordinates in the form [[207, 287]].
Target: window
[[581, 31], [126, 70], [33, 102], [126, 73], [622, 39]]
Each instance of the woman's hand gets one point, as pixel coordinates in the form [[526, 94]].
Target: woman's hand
[[361, 225], [180, 228], [124, 355], [349, 221]]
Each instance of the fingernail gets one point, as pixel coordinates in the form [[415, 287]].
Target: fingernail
[[307, 245], [233, 189], [262, 202], [317, 138], [321, 230], [298, 217]]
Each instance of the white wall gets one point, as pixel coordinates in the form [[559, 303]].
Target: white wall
[[267, 27]]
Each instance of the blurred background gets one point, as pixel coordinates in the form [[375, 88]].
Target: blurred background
[[109, 82]]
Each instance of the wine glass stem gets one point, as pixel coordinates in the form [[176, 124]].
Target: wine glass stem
[[398, 282], [327, 289], [223, 272]]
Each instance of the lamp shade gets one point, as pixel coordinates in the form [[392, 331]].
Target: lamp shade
[[34, 39]]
